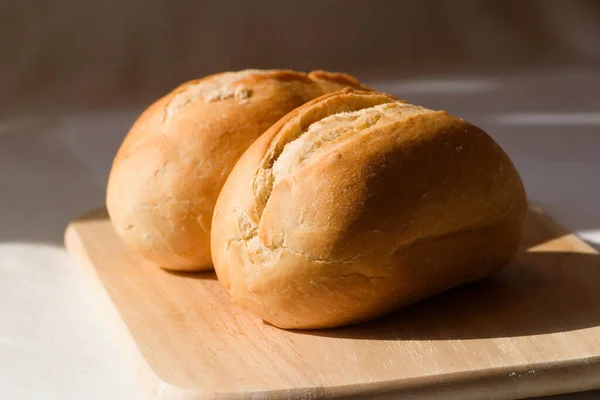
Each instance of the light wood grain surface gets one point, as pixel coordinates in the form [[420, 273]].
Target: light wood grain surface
[[530, 331]]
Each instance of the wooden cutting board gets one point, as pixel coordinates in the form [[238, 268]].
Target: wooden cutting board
[[532, 330]]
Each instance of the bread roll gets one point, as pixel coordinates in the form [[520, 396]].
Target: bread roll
[[356, 204], [167, 174]]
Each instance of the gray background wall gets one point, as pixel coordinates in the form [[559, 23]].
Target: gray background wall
[[111, 53]]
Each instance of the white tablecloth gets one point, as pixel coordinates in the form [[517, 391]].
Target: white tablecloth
[[55, 342]]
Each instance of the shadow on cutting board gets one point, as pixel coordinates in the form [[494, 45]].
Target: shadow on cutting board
[[210, 275], [552, 286], [542, 292]]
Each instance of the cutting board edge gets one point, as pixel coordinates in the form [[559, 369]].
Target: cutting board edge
[[152, 383], [549, 377]]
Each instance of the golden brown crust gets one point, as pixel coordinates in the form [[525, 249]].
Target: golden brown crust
[[168, 172], [405, 202]]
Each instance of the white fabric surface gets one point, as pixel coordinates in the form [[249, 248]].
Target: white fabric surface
[[55, 342]]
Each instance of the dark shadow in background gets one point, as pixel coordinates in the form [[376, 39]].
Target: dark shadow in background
[[98, 214], [112, 53], [53, 169]]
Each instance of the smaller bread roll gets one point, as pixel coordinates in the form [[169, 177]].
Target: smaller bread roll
[[356, 204], [167, 175]]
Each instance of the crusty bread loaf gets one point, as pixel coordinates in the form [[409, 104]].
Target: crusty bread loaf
[[356, 204], [171, 166]]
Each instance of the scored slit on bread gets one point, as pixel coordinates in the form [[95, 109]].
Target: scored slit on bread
[[358, 203]]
